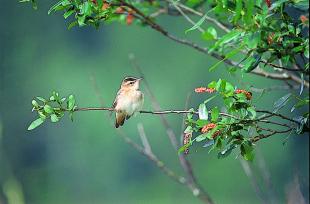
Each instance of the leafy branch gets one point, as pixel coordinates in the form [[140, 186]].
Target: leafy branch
[[268, 33], [235, 126]]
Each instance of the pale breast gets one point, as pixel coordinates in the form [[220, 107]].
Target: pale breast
[[130, 102]]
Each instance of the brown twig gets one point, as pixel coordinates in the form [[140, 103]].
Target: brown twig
[[259, 137], [164, 112], [153, 158], [278, 115], [284, 68], [249, 172]]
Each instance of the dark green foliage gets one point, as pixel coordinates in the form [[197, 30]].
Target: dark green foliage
[[256, 32], [238, 124]]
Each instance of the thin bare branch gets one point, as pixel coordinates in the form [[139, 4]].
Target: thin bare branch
[[145, 141], [278, 115], [191, 179], [175, 4], [248, 171], [212, 20], [295, 69], [259, 137], [164, 112]]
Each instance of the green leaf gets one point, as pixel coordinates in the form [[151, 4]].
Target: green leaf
[[71, 102], [229, 89], [48, 109], [200, 123], [197, 25], [54, 118], [249, 12], [280, 103], [190, 115], [215, 114], [232, 35], [35, 123], [189, 129], [306, 52], [301, 4], [228, 55], [252, 39], [86, 9], [201, 137], [33, 2], [53, 8], [41, 99], [251, 64], [220, 85], [237, 11], [247, 151], [302, 121], [209, 99], [226, 152], [203, 112], [208, 143], [35, 103], [210, 133], [277, 4], [100, 3], [42, 115], [212, 85], [81, 20], [68, 13], [72, 24], [55, 95], [252, 111], [210, 34], [183, 148]]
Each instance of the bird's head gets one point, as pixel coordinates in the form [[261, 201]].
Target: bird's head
[[131, 83]]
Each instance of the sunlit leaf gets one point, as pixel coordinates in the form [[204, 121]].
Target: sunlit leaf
[[281, 102], [35, 123], [203, 112], [197, 25], [215, 114]]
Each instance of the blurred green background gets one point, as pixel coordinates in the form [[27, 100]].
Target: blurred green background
[[85, 161]]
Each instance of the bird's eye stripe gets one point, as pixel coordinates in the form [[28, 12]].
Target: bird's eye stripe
[[130, 79]]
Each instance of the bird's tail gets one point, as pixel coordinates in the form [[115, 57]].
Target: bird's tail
[[119, 119]]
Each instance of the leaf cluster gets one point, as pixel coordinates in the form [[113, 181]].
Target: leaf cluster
[[53, 108]]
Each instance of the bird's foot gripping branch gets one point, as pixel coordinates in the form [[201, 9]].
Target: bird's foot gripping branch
[[233, 123]]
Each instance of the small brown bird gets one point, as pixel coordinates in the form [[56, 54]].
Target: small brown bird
[[129, 100]]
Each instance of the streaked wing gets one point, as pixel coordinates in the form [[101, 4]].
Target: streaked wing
[[116, 99]]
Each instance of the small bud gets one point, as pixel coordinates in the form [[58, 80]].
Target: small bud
[[186, 139], [208, 127], [201, 90], [268, 2], [303, 19], [129, 19], [246, 93]]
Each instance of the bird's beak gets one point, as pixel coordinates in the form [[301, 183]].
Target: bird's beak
[[139, 79]]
